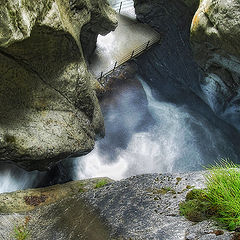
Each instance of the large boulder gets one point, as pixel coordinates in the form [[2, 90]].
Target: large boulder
[[49, 110], [140, 207], [215, 35]]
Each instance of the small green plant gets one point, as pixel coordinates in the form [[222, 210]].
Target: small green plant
[[221, 198], [101, 183], [21, 231], [168, 190], [196, 208], [178, 180], [223, 192], [81, 188]]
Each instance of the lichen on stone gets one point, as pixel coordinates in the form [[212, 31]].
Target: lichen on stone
[[48, 104]]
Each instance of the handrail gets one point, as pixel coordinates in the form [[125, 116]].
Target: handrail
[[133, 54], [122, 5]]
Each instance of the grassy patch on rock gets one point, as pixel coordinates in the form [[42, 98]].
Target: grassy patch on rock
[[196, 208], [220, 200], [101, 183], [21, 231]]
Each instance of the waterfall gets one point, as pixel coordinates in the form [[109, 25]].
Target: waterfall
[[12, 178], [158, 127], [180, 139], [145, 133]]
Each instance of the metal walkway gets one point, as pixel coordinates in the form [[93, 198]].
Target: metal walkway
[[129, 40], [125, 8]]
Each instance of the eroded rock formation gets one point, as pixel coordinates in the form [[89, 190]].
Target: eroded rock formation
[[49, 110], [215, 35]]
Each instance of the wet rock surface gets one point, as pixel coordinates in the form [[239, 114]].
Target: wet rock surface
[[141, 207], [48, 106], [171, 63], [215, 34]]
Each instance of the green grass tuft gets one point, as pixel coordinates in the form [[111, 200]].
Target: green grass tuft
[[21, 231], [221, 198], [196, 208], [223, 192], [101, 183]]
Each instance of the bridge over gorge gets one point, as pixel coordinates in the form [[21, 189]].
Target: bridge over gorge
[[130, 39]]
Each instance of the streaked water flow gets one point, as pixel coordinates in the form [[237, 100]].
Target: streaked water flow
[[178, 139]]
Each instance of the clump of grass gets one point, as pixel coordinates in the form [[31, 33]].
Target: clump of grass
[[196, 208], [162, 191], [21, 231], [101, 183], [223, 192], [81, 188], [221, 198]]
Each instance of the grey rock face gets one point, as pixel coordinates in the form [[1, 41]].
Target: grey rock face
[[49, 110], [172, 59], [215, 34], [147, 207], [141, 207]]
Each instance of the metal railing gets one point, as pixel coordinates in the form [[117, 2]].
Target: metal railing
[[124, 4], [133, 54]]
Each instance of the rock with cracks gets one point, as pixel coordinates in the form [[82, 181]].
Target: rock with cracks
[[215, 34], [49, 110], [138, 208]]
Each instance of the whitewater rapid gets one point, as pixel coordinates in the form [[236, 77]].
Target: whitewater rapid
[[171, 130], [179, 140], [13, 178]]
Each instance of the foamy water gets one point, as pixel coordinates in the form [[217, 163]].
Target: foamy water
[[179, 140], [13, 179]]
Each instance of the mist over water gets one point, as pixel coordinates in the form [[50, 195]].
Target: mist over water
[[162, 128], [13, 178], [159, 136]]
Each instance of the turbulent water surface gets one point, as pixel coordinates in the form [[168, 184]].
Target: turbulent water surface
[[174, 138]]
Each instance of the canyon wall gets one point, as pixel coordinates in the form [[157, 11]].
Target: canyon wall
[[215, 35], [201, 51]]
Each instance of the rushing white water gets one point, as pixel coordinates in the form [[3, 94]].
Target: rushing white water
[[142, 136], [119, 44], [179, 140], [13, 178]]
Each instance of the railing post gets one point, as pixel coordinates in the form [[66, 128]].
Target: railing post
[[147, 45], [115, 65], [132, 54], [101, 76], [120, 8]]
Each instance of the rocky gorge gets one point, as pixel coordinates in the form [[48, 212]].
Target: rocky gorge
[[195, 68]]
